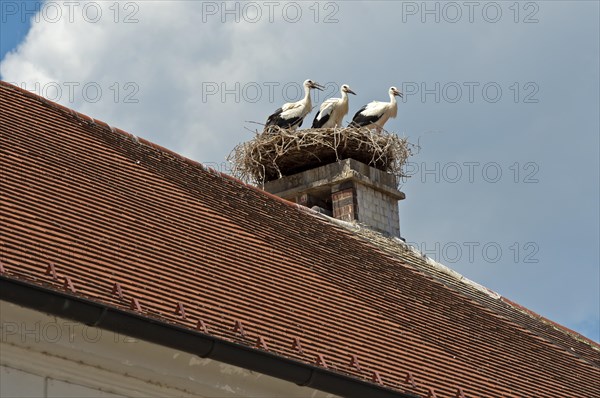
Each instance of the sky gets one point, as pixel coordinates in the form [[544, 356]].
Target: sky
[[502, 99]]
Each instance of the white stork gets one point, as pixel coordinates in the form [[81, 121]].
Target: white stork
[[333, 110], [376, 113], [291, 114]]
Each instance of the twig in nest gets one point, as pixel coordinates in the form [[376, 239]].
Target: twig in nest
[[279, 152]]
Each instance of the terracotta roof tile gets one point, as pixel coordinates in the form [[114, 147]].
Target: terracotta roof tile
[[129, 224]]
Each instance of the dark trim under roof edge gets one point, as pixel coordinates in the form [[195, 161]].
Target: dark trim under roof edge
[[159, 332]]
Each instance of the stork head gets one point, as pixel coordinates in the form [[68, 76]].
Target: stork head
[[346, 89], [310, 84], [395, 92]]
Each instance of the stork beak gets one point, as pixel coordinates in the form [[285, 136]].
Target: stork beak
[[350, 92], [317, 86], [398, 93]]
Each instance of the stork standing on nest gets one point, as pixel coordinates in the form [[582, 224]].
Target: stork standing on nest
[[291, 114], [376, 114], [333, 110]]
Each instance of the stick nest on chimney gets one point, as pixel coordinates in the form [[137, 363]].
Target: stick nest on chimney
[[277, 152]]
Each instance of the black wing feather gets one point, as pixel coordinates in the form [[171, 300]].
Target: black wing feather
[[276, 120], [360, 120], [272, 120], [319, 123]]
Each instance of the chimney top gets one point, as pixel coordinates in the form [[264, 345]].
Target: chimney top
[[347, 190]]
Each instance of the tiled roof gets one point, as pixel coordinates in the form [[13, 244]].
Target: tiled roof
[[102, 214]]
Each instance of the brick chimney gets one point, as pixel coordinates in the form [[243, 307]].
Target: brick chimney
[[347, 190]]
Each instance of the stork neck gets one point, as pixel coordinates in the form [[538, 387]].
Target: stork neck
[[307, 95], [392, 99], [344, 96]]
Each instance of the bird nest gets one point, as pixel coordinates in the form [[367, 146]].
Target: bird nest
[[278, 152]]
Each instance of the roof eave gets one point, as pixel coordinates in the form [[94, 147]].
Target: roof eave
[[138, 326]]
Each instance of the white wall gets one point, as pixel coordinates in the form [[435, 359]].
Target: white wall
[[46, 356], [18, 383]]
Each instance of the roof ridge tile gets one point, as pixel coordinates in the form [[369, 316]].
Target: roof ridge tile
[[573, 334]]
